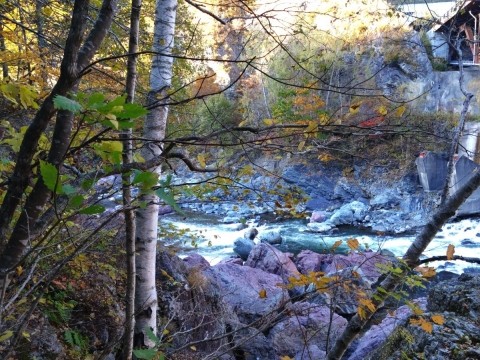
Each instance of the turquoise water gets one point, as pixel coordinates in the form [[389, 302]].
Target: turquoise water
[[213, 240]]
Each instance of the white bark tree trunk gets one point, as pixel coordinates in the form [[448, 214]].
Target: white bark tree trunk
[[154, 130]]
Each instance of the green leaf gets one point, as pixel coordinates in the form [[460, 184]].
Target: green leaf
[[69, 189], [168, 198], [146, 179], [64, 103], [146, 354], [108, 107], [76, 201], [132, 111], [93, 209], [110, 151], [6, 335], [87, 184], [96, 100], [152, 336], [50, 175]]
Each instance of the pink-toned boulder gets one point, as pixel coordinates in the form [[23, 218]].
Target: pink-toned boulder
[[367, 261], [269, 259], [307, 324], [308, 261], [318, 216], [251, 293], [196, 261]]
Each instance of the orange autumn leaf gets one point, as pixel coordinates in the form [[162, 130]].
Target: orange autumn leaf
[[438, 319], [450, 252], [353, 244], [426, 271], [262, 294]]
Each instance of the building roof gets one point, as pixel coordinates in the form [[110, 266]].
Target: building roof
[[460, 14]]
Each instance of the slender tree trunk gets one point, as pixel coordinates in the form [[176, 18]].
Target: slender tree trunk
[[76, 57], [154, 130], [130, 230], [42, 43], [3, 48]]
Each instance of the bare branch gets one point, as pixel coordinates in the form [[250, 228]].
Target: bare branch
[[205, 11]]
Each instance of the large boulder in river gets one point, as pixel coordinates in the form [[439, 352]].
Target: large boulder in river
[[349, 213], [309, 324], [270, 236], [317, 227], [243, 246]]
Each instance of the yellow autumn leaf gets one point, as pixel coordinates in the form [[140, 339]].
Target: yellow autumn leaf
[[301, 145], [6, 335], [354, 108], [361, 312], [438, 319], [353, 244], [194, 348], [382, 110], [450, 252], [262, 294], [19, 270], [400, 110], [368, 304], [201, 160], [247, 170], [325, 157], [243, 123], [312, 127], [269, 122], [324, 119], [285, 357]]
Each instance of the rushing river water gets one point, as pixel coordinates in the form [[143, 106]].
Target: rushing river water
[[213, 240]]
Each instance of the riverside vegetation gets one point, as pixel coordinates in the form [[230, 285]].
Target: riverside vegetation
[[114, 113]]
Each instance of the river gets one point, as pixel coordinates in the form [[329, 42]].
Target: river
[[207, 236]]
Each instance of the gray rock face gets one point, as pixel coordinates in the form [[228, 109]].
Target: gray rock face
[[458, 302], [461, 297], [243, 246], [44, 343], [349, 213], [323, 227], [311, 352], [308, 325], [270, 236]]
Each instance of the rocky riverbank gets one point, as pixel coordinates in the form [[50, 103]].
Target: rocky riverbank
[[256, 310]]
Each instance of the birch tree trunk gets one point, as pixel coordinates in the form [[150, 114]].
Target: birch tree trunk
[[154, 131]]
